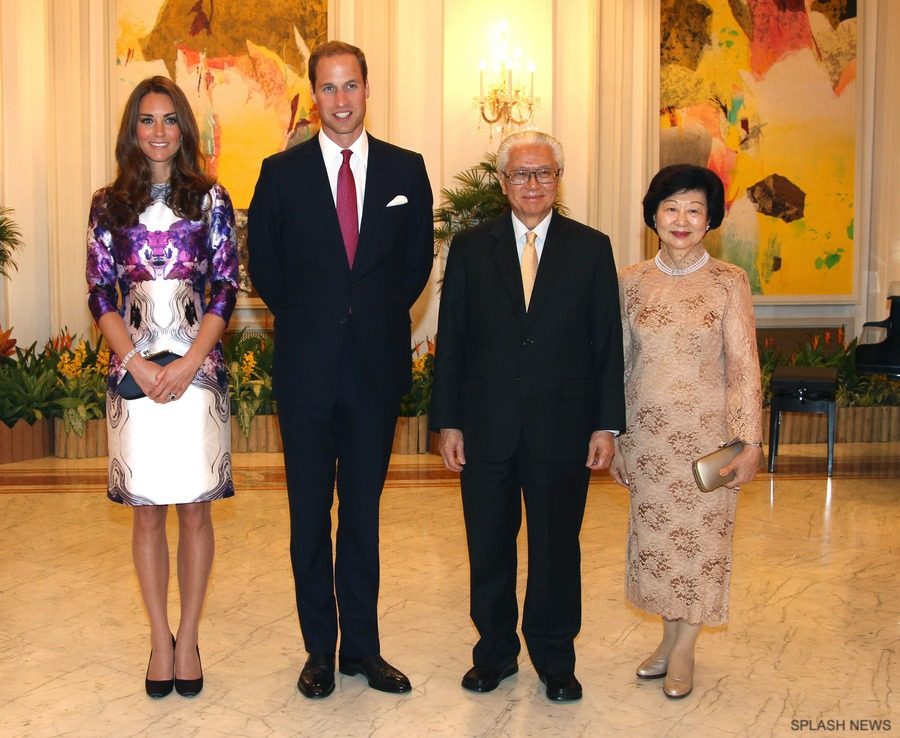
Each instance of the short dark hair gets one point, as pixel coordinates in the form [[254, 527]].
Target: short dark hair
[[335, 48], [681, 177]]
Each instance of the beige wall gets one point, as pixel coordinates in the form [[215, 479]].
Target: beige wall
[[596, 78]]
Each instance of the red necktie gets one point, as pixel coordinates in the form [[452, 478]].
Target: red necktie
[[346, 207]]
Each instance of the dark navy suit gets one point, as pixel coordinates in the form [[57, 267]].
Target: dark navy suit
[[527, 389], [342, 362]]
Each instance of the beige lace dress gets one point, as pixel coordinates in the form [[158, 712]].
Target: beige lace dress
[[692, 383]]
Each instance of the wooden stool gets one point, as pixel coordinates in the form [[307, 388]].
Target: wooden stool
[[802, 389]]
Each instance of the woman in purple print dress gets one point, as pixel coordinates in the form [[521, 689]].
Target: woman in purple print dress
[[159, 237]]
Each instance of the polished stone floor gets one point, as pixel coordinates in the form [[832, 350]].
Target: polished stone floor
[[811, 649]]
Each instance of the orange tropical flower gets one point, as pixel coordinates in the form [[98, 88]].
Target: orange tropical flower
[[7, 344]]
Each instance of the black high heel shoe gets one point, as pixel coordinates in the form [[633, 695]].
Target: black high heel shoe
[[158, 688], [190, 687]]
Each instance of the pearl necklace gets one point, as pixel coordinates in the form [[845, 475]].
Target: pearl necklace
[[674, 272]]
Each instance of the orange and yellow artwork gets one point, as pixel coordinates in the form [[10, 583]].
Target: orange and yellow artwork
[[763, 93], [242, 64]]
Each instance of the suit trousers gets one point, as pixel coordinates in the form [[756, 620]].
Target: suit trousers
[[555, 495], [347, 440]]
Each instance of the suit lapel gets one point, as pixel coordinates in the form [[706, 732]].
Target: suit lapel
[[553, 258], [375, 177], [378, 180], [506, 259], [318, 193]]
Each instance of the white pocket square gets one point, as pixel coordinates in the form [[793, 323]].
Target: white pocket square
[[399, 200]]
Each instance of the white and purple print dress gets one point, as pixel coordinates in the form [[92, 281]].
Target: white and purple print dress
[[177, 452]]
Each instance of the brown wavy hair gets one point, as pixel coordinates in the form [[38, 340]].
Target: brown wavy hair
[[129, 194]]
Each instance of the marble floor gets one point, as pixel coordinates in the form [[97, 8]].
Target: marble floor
[[811, 649]]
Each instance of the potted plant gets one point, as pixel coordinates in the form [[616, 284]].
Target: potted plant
[[81, 395], [248, 359], [10, 240], [27, 392], [411, 434]]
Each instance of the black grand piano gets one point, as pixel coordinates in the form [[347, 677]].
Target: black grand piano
[[883, 357]]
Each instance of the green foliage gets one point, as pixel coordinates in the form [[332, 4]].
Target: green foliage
[[81, 378], [28, 386], [478, 198], [248, 359], [418, 400], [10, 240]]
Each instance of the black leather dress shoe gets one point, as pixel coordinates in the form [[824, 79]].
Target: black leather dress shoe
[[564, 688], [486, 679], [317, 677], [381, 675]]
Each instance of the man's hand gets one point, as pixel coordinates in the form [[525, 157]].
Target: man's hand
[[601, 450], [452, 449]]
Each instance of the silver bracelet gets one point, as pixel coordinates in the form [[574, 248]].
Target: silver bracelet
[[758, 444], [129, 356]]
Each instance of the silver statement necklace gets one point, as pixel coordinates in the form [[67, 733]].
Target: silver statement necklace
[[674, 272]]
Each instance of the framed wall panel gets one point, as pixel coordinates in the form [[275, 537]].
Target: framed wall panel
[[242, 64], [764, 92]]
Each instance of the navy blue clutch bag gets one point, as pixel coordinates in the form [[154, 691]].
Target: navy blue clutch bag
[[129, 389]]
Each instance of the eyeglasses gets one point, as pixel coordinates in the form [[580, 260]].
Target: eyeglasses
[[523, 176]]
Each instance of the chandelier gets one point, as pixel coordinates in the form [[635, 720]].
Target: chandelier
[[506, 98]]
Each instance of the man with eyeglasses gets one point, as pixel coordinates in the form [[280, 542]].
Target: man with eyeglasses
[[528, 394]]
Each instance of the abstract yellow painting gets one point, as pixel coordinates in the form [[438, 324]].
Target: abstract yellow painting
[[242, 64], [763, 93]]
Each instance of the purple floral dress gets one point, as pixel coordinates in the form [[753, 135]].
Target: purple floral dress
[[177, 452]]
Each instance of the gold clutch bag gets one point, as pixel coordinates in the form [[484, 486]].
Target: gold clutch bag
[[706, 468]]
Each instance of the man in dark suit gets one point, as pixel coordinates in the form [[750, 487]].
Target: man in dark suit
[[340, 242], [528, 395]]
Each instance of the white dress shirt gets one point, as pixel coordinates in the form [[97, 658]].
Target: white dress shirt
[[540, 231], [359, 160]]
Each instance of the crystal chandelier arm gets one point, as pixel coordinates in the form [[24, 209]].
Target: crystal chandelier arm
[[497, 112]]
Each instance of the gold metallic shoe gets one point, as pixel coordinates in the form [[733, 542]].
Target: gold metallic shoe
[[653, 668], [679, 682]]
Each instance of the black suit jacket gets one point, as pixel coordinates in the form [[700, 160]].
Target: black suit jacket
[[550, 376], [299, 267]]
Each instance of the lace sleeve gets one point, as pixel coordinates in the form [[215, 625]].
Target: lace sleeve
[[744, 395]]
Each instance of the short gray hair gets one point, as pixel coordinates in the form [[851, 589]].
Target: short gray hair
[[522, 138]]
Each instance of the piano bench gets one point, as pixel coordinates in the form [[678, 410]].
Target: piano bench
[[802, 389]]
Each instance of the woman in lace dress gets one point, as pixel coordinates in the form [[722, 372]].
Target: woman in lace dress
[[158, 238], [691, 383]]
